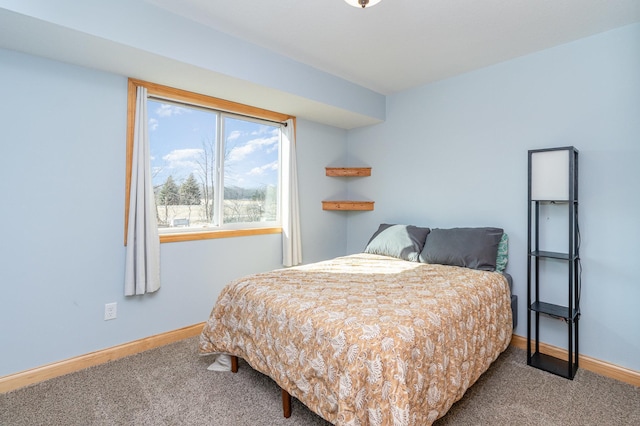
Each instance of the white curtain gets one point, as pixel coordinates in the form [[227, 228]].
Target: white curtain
[[291, 241], [142, 264]]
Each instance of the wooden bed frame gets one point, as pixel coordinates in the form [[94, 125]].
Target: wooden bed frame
[[286, 398]]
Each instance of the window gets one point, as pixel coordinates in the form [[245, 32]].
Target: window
[[216, 165], [212, 169]]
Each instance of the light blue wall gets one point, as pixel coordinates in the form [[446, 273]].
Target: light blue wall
[[62, 257], [323, 231], [146, 28], [454, 153]]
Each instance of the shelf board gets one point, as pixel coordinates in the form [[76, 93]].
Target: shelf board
[[555, 201], [553, 255], [348, 171], [557, 366], [554, 310], [347, 205]]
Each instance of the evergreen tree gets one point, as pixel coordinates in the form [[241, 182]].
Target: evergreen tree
[[190, 192], [168, 196]]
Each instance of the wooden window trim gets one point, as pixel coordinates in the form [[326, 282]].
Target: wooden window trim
[[220, 233], [171, 93]]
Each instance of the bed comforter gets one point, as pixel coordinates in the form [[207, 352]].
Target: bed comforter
[[366, 339]]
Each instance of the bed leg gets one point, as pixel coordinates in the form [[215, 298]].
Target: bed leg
[[286, 404], [234, 364]]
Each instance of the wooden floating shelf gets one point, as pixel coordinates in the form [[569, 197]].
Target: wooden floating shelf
[[347, 205], [348, 171]]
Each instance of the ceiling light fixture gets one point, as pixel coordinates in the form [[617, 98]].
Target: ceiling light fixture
[[362, 3]]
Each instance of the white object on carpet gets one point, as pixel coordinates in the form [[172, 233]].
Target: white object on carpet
[[222, 363]]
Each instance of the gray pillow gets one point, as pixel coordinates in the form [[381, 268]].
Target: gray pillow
[[401, 241], [474, 248]]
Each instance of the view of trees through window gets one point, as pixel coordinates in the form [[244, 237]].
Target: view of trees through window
[[211, 168]]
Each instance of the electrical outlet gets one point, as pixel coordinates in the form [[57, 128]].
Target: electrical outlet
[[110, 311]]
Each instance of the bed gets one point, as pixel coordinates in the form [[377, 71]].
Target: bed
[[391, 336]]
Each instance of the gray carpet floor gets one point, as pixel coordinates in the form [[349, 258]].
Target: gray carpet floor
[[171, 386]]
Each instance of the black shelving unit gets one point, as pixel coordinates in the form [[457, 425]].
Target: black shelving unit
[[553, 181]]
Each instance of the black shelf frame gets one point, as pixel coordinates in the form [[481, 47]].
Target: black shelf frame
[[552, 255], [569, 314], [557, 366]]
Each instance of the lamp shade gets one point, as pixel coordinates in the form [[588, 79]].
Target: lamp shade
[[550, 174]]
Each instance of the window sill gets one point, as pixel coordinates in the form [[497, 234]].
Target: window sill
[[222, 233]]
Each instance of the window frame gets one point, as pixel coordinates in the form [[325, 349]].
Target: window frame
[[159, 91]]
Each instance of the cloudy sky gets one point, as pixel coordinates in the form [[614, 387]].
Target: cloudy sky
[[178, 138]]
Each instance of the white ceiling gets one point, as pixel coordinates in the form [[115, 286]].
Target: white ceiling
[[400, 44]]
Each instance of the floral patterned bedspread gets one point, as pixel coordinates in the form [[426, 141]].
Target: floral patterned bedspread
[[366, 339]]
